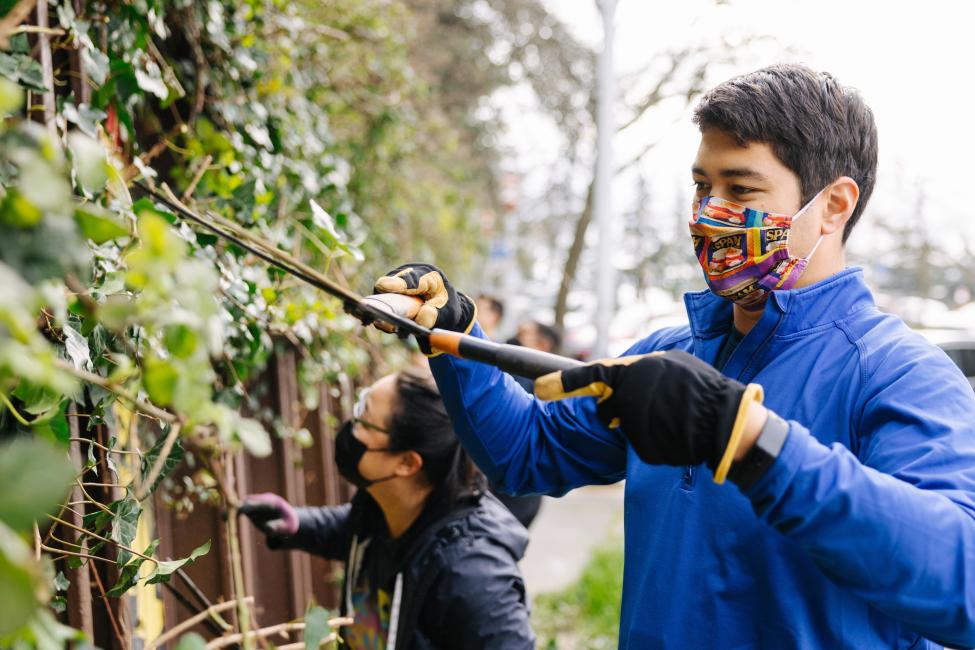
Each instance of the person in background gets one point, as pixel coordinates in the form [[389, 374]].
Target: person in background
[[490, 311], [537, 336], [431, 558]]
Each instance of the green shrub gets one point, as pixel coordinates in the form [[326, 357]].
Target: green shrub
[[586, 614]]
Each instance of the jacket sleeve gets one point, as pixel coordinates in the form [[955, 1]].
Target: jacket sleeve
[[524, 445], [323, 531], [894, 523], [481, 602]]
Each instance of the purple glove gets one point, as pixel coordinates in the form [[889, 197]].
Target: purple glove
[[272, 515]]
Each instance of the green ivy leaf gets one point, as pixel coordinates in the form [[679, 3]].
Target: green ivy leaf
[[49, 249], [53, 424], [36, 399], [180, 340], [316, 627], [172, 461], [89, 160], [165, 569], [77, 348], [97, 224], [11, 98], [48, 634], [129, 575], [160, 378], [84, 117], [146, 206], [96, 64], [61, 582], [253, 436], [23, 69], [20, 581], [17, 211], [91, 463], [34, 477], [332, 239], [59, 604], [150, 80], [125, 520]]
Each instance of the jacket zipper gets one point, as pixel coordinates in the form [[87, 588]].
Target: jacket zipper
[[751, 360], [690, 472], [393, 628]]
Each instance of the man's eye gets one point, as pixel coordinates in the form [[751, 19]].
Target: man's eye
[[702, 187], [741, 189]]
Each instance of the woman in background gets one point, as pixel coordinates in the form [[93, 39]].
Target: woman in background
[[430, 556]]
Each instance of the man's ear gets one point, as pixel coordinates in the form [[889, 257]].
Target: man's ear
[[841, 199], [410, 463]]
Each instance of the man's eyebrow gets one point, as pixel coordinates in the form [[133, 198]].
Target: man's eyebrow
[[735, 172]]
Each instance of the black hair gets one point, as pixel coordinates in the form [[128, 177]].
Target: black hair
[[420, 423], [818, 128], [495, 304], [551, 334]]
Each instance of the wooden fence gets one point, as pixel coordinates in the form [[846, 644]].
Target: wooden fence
[[283, 583]]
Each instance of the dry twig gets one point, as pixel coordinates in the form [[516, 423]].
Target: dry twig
[[193, 620]]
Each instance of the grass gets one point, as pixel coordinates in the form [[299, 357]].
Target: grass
[[585, 615]]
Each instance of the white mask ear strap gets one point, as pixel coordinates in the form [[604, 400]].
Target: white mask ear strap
[[813, 251], [803, 209]]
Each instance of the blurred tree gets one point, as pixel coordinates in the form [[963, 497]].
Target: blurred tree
[[907, 259], [679, 75], [483, 46]]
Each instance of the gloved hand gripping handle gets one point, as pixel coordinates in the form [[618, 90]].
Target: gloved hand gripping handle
[[514, 359]]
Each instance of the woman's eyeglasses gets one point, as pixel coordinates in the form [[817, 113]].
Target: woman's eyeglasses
[[359, 408]]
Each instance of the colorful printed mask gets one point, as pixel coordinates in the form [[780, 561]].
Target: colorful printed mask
[[745, 252]]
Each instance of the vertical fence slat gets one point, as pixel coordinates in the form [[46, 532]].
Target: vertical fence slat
[[286, 376], [47, 65], [79, 81], [79, 593]]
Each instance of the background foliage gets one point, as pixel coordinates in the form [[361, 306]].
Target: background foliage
[[330, 130]]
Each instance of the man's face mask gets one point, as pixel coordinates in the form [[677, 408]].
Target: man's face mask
[[745, 252]]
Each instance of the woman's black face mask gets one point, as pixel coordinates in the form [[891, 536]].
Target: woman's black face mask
[[349, 450]]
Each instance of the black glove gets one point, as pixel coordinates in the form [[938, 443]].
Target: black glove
[[673, 408], [443, 306], [272, 515]]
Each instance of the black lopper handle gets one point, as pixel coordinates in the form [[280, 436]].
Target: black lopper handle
[[513, 359]]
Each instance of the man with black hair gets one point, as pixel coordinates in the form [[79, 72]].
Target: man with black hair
[[539, 336], [849, 439], [490, 313]]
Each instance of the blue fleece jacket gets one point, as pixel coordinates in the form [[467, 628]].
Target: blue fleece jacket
[[862, 533]]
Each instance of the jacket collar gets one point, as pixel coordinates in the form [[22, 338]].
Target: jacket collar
[[795, 310]]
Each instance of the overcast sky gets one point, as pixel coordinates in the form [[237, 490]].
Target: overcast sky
[[913, 65]]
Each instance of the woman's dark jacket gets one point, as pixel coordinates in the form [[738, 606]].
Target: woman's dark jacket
[[460, 582]]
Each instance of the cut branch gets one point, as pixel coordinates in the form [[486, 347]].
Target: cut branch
[[103, 539], [282, 628], [116, 628], [137, 404], [14, 17], [193, 620], [65, 553]]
